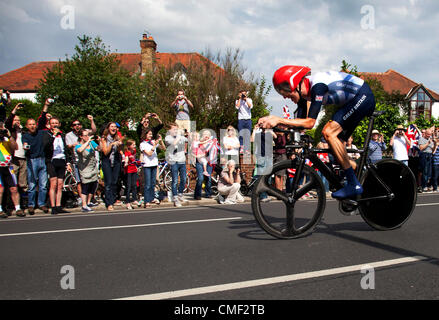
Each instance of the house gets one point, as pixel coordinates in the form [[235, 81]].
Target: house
[[23, 81], [421, 100]]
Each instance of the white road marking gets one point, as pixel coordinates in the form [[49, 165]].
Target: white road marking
[[271, 281], [101, 213], [427, 204], [118, 227]]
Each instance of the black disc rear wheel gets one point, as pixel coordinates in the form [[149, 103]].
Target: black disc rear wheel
[[392, 213]]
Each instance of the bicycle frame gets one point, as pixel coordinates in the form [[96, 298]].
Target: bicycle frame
[[311, 154], [163, 165]]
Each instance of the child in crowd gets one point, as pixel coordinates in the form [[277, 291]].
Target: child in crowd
[[199, 152], [131, 174]]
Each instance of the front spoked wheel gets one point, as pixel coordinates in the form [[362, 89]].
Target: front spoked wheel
[[294, 214], [388, 214]]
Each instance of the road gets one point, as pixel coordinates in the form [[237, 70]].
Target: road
[[216, 252]]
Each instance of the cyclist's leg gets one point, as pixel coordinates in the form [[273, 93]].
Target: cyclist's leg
[[331, 131], [340, 128]]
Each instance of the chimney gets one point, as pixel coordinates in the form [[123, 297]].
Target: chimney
[[148, 48]]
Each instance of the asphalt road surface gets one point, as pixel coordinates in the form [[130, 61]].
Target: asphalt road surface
[[217, 252]]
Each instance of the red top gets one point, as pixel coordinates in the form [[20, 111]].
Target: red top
[[131, 168]]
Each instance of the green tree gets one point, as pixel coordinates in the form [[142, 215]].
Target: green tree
[[422, 123], [392, 103], [91, 82], [211, 87], [31, 110]]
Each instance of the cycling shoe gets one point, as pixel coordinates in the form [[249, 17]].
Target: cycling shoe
[[348, 192]]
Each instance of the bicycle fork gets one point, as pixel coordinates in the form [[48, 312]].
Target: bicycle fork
[[291, 198]]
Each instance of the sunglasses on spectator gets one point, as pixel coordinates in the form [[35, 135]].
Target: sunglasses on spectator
[[76, 124]]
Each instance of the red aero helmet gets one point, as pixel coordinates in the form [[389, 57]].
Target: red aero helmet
[[287, 78]]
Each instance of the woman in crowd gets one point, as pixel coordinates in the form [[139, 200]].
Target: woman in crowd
[[231, 145], [111, 162], [57, 160], [229, 184], [87, 167], [150, 163]]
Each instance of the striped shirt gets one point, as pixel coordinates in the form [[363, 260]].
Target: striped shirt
[[376, 151]]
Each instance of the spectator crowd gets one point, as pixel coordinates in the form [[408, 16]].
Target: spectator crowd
[[40, 164], [416, 148], [35, 162]]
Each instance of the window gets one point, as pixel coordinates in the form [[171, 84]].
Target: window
[[420, 105]]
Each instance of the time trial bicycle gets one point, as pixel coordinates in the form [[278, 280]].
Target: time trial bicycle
[[388, 200]]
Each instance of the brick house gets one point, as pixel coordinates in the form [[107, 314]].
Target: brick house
[[422, 101], [22, 82]]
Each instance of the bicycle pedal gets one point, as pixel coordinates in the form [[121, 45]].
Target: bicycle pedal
[[350, 202]]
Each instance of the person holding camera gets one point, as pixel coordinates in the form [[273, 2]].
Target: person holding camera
[[244, 105], [229, 184], [426, 146], [400, 144], [145, 124], [19, 162], [36, 164], [181, 104], [176, 157], [57, 160], [150, 163], [376, 147], [72, 140], [5, 99], [7, 175], [87, 167]]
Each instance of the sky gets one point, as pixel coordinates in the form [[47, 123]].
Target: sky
[[373, 35]]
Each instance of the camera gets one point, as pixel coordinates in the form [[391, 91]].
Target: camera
[[26, 147]]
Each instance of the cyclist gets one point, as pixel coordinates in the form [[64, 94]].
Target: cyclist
[[310, 93]]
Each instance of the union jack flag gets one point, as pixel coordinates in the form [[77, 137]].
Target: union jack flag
[[212, 149], [413, 135], [286, 111]]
